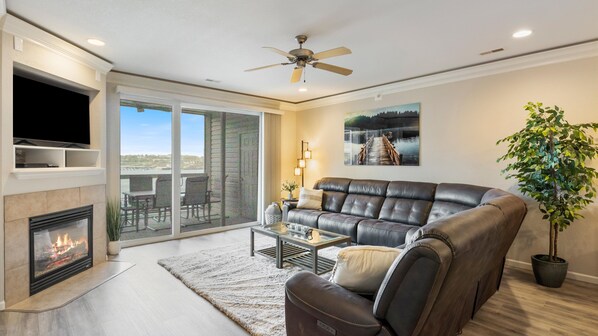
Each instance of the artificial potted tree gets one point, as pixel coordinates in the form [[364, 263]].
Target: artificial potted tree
[[549, 157], [113, 226]]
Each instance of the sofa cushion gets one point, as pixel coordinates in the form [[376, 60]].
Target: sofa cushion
[[310, 199], [305, 217], [339, 223], [451, 198], [362, 205], [408, 211], [333, 184], [443, 209], [465, 194], [368, 187], [333, 201], [411, 190], [383, 233], [361, 269]]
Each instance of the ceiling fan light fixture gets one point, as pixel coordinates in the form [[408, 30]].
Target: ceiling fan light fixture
[[302, 57]]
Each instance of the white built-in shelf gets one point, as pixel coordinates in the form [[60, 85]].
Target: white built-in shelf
[[63, 162]]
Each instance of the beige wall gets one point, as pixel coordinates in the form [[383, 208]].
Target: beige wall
[[290, 151], [459, 126]]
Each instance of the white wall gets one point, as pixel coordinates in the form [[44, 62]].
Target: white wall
[[460, 123], [48, 56], [51, 57]]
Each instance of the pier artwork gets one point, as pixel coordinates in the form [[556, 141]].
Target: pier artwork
[[383, 137], [379, 151]]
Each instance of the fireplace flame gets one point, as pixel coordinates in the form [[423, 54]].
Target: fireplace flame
[[64, 244], [64, 241]]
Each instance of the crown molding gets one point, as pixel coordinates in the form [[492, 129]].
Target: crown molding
[[191, 92], [35, 35], [166, 97], [564, 54]]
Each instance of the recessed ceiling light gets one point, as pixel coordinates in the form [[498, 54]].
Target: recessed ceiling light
[[96, 42], [303, 89], [522, 33]]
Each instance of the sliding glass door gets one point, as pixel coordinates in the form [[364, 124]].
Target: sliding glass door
[[230, 160], [214, 183], [145, 169]]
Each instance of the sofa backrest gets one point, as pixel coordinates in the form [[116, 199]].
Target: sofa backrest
[[335, 192], [413, 203], [451, 198], [408, 202], [365, 198]]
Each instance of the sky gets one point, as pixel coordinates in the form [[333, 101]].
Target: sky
[[149, 132]]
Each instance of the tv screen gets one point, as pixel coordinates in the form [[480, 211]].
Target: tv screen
[[46, 112]]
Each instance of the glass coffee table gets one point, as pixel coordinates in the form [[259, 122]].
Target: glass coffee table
[[298, 248]]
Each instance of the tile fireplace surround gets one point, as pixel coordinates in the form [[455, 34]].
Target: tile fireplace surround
[[17, 211]]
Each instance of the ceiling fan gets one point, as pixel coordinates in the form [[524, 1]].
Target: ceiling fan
[[302, 57]]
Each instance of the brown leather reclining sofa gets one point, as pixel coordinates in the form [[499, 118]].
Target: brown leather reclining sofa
[[458, 237]]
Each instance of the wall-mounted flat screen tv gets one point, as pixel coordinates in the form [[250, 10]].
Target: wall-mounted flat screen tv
[[49, 115]]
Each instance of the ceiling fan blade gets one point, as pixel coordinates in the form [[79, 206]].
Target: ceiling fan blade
[[265, 67], [332, 53], [332, 68], [296, 76], [283, 53]]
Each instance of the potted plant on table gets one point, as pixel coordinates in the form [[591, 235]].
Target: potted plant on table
[[113, 226], [289, 186], [549, 162]]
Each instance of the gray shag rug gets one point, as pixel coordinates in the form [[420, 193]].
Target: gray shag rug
[[249, 290]]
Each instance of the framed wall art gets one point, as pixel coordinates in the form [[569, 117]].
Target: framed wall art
[[387, 136]]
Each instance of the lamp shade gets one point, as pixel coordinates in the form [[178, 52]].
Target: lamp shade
[[307, 154], [297, 171], [301, 163]]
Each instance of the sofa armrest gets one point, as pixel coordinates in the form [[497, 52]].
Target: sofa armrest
[[409, 238], [286, 207], [319, 306]]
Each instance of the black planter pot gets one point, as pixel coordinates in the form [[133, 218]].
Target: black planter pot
[[549, 273]]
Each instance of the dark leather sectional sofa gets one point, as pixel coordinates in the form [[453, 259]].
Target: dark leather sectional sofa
[[460, 236]]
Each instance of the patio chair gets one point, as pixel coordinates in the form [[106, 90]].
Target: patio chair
[[133, 205], [196, 195], [163, 197]]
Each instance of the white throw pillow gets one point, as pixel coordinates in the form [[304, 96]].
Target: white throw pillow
[[310, 199], [361, 269]]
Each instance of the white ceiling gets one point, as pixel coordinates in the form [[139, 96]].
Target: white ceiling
[[193, 40]]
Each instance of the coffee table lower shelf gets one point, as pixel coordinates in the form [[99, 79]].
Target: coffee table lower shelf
[[298, 256], [305, 260], [287, 251]]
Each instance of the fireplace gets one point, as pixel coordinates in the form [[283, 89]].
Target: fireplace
[[60, 246]]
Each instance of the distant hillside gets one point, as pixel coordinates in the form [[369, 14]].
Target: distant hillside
[[160, 161], [391, 119]]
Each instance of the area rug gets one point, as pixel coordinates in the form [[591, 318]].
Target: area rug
[[249, 290]]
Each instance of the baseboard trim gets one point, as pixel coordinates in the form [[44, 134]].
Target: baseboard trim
[[570, 275], [159, 239]]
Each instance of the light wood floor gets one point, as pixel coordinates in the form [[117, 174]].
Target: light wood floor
[[147, 300]]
